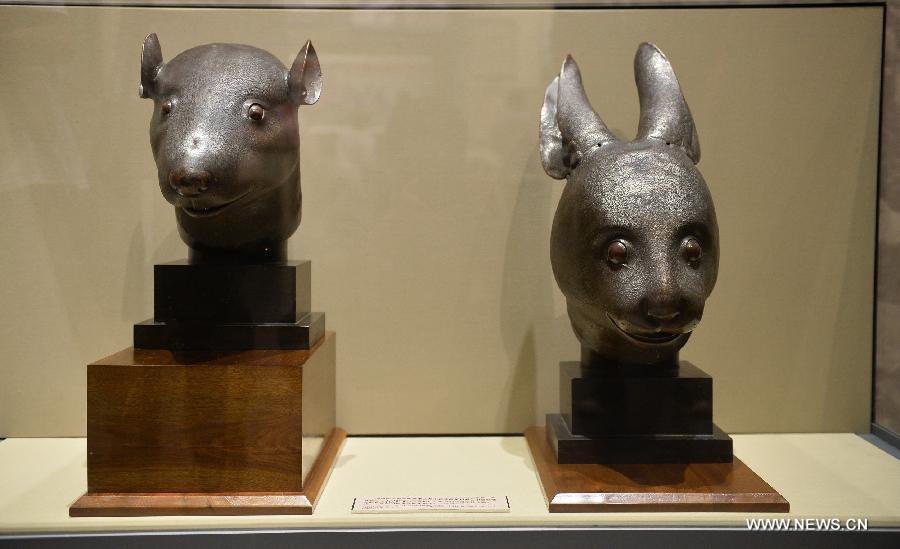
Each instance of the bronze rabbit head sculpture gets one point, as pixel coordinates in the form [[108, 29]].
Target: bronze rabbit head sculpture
[[634, 244], [225, 137]]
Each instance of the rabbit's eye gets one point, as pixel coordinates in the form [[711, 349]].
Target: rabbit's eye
[[691, 250], [617, 252], [256, 112], [166, 107]]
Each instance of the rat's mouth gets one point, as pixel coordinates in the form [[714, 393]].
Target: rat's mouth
[[648, 338], [195, 210]]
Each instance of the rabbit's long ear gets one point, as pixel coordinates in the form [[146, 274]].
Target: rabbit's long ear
[[569, 126], [665, 115]]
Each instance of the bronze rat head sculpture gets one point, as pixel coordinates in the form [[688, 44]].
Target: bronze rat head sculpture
[[634, 245], [225, 138]]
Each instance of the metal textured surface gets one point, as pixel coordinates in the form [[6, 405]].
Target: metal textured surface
[[634, 244], [225, 137]]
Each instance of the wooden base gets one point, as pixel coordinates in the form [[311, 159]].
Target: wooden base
[[235, 503], [594, 488]]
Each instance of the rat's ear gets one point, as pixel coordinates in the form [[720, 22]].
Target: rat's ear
[[304, 80], [665, 115], [151, 62], [569, 126]]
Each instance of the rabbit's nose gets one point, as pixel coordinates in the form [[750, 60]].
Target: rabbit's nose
[[662, 310], [663, 315]]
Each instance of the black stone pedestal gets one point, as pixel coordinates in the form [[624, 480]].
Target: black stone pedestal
[[634, 401], [618, 414], [231, 307], [231, 293], [715, 447], [641, 438], [301, 334]]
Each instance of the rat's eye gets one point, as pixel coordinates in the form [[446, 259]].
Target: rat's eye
[[166, 107], [256, 112], [691, 250], [617, 252]]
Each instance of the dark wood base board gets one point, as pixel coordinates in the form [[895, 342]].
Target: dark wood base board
[[235, 503], [594, 488]]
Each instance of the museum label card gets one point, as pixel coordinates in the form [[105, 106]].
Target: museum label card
[[421, 504]]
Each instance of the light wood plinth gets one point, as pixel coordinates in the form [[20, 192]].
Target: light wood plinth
[[594, 488], [187, 504], [197, 433]]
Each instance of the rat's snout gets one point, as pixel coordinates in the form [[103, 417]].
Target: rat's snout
[[189, 183]]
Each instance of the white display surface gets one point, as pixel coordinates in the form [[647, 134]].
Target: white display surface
[[822, 475]]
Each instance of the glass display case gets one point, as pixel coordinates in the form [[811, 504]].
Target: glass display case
[[425, 237]]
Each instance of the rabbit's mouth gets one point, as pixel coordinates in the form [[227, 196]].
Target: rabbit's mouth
[[660, 337]]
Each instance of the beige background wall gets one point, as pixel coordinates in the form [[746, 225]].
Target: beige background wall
[[427, 213]]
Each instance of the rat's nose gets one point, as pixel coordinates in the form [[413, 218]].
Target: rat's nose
[[189, 182]]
